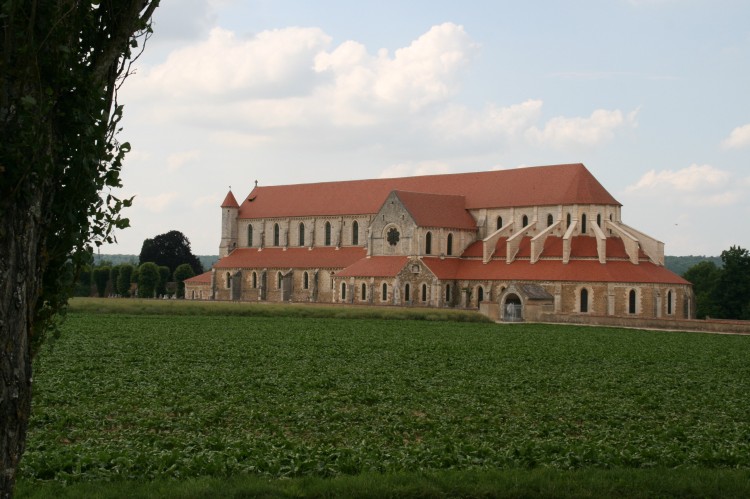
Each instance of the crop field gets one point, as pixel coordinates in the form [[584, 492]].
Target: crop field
[[121, 397]]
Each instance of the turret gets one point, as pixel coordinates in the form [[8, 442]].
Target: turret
[[229, 212]]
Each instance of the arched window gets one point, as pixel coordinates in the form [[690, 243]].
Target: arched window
[[567, 221], [343, 291], [363, 296], [305, 281], [525, 220], [276, 234], [447, 293], [255, 280], [384, 292], [407, 292], [355, 233], [480, 294], [550, 220], [599, 220], [583, 223], [424, 292], [669, 302], [449, 248], [301, 234], [328, 234], [278, 280], [584, 300], [631, 301], [499, 222], [428, 243], [249, 235], [229, 280]]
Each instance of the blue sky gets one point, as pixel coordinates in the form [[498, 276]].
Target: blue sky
[[651, 95]]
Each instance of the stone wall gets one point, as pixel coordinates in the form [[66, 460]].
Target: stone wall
[[713, 326]]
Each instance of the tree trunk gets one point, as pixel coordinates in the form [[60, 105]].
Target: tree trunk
[[19, 271]]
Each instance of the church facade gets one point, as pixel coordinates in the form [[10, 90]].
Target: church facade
[[528, 243]]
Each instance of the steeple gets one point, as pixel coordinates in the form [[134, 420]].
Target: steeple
[[230, 201], [229, 211]]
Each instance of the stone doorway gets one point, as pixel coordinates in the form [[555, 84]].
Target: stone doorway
[[512, 309]]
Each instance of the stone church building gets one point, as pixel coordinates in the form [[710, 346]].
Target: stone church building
[[525, 244]]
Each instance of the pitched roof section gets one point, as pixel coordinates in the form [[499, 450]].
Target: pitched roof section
[[580, 247], [552, 270], [437, 210], [230, 201], [326, 257], [535, 186], [376, 266], [204, 278]]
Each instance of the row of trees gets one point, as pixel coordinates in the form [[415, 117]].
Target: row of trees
[[722, 292], [163, 259], [151, 280]]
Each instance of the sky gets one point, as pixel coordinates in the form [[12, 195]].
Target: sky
[[653, 96]]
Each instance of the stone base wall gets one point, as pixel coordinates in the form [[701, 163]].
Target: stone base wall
[[708, 326]]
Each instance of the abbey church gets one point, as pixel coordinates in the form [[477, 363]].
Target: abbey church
[[533, 243]]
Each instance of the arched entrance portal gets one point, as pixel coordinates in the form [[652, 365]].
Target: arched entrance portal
[[512, 309]]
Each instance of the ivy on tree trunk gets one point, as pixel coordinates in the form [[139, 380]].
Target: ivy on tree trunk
[[61, 63]]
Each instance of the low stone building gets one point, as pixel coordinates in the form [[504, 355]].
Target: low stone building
[[525, 243]]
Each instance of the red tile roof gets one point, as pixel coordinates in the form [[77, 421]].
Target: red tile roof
[[326, 257], [204, 278], [376, 266], [535, 186], [437, 210], [552, 270], [474, 250], [230, 201], [580, 247]]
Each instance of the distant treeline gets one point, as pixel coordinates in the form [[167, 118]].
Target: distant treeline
[[680, 264], [206, 260]]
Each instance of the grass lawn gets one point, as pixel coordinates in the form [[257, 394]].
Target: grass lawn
[[294, 405]]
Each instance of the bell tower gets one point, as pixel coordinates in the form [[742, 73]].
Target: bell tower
[[229, 211]]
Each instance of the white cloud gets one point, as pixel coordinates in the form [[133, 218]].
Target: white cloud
[[691, 179], [177, 160], [459, 122], [274, 63], [291, 85], [290, 78], [157, 203], [739, 137], [562, 131], [696, 185]]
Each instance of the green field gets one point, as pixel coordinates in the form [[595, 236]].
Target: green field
[[146, 397]]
